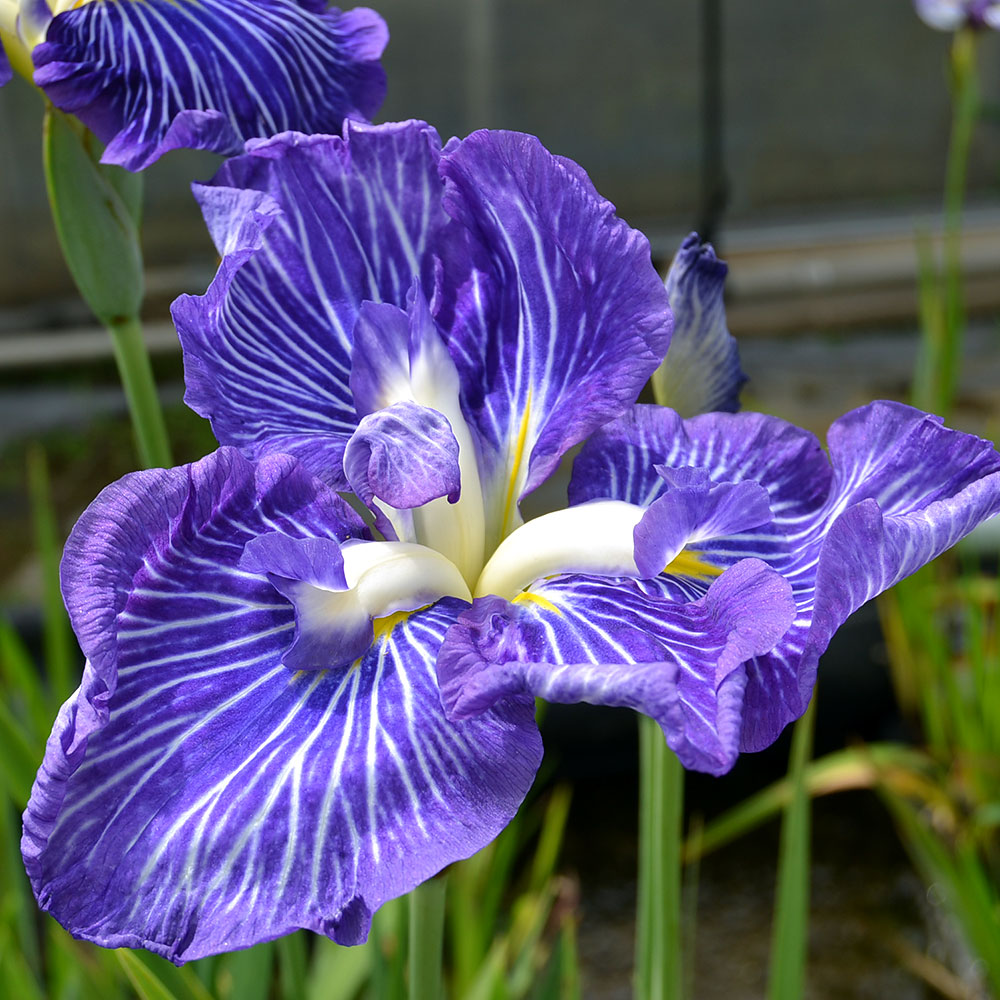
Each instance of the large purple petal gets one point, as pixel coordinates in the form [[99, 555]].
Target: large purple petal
[[898, 489], [6, 72], [554, 313], [163, 74], [196, 795], [905, 489], [607, 642], [701, 371], [548, 304], [309, 228]]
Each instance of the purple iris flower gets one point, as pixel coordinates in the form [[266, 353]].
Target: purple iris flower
[[950, 15], [147, 77], [293, 711]]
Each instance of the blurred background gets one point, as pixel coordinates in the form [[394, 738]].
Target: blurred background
[[807, 140]]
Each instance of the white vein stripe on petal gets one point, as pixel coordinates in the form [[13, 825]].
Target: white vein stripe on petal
[[242, 69], [281, 791]]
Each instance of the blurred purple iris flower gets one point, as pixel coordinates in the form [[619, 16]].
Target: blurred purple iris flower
[[150, 76], [293, 711], [950, 15]]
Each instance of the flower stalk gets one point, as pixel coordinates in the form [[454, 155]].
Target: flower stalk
[[136, 373], [789, 932], [943, 311], [658, 968]]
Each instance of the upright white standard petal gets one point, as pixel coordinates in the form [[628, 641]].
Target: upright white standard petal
[[8, 16]]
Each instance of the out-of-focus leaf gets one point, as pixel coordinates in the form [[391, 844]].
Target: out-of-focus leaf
[[490, 984], [930, 970], [561, 978], [22, 684], [550, 838], [162, 979], [389, 964], [338, 973], [292, 965], [246, 974], [15, 975], [75, 970], [531, 914], [18, 906], [19, 756], [967, 888], [836, 772], [426, 938]]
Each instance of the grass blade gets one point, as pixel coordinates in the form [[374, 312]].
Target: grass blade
[[550, 839], [22, 683], [60, 647], [19, 756], [836, 772], [146, 983], [18, 904], [389, 962]]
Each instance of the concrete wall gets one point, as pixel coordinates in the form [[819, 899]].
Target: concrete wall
[[826, 101]]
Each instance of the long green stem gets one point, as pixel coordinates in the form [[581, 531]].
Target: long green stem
[[426, 939], [658, 970], [789, 933], [136, 373], [965, 111], [941, 352]]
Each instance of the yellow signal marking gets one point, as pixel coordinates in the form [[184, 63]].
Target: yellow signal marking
[[527, 597], [522, 437], [691, 563]]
